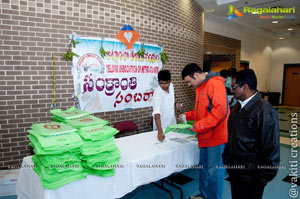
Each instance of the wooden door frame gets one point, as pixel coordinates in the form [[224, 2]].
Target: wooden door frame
[[283, 83]]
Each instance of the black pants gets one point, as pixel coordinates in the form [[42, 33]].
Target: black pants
[[242, 187]]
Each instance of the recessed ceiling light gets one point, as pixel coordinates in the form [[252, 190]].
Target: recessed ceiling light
[[280, 38], [290, 29], [208, 52], [210, 10], [274, 21]]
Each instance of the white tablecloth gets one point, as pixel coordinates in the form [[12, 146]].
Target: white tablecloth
[[143, 160]]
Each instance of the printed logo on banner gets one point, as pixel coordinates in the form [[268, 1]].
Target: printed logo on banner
[[91, 62], [128, 36]]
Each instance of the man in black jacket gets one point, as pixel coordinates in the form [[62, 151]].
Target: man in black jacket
[[251, 156]]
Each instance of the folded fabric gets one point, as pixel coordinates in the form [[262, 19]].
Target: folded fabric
[[95, 147], [54, 162], [180, 128], [57, 168], [106, 156], [68, 114], [102, 173], [101, 165], [57, 181]]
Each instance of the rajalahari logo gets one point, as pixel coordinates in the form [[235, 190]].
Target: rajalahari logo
[[272, 12], [233, 13]]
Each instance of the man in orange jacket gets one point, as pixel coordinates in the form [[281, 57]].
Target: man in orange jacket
[[211, 115]]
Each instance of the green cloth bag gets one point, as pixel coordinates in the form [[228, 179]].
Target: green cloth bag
[[57, 168], [74, 147], [188, 122], [180, 128], [102, 157], [95, 147], [52, 128], [57, 181], [69, 113], [102, 173], [58, 164], [66, 140], [107, 165], [97, 132], [85, 121], [55, 159]]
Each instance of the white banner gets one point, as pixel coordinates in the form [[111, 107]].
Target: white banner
[[119, 81]]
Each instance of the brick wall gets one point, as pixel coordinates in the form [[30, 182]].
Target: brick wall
[[228, 49], [32, 29]]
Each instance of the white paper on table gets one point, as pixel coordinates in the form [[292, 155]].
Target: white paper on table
[[179, 140], [166, 145]]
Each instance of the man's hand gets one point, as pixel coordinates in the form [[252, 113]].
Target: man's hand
[[179, 106], [160, 135], [180, 117]]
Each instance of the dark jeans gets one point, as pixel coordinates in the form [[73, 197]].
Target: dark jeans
[[243, 188]]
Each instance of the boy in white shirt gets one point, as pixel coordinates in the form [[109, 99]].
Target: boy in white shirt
[[163, 104]]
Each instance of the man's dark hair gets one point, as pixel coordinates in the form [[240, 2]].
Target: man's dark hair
[[231, 72], [190, 70], [246, 77], [164, 75], [224, 73]]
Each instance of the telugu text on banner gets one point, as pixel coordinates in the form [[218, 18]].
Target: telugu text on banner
[[119, 81]]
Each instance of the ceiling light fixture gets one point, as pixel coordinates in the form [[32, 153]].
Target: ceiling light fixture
[[290, 29], [210, 10], [208, 52], [274, 21], [280, 38]]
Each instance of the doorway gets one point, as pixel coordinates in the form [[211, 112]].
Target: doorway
[[291, 81]]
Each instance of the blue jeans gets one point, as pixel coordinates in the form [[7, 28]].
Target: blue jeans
[[211, 176]]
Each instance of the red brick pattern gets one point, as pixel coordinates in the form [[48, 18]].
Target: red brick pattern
[[31, 30]]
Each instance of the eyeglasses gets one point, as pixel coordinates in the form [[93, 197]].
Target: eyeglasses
[[234, 87]]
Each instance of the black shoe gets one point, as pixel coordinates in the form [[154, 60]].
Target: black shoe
[[196, 197]]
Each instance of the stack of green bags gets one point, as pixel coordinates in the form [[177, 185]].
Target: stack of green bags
[[57, 149], [71, 113], [180, 128], [99, 154], [74, 145]]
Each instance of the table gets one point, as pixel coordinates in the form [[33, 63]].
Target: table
[[143, 160], [273, 97]]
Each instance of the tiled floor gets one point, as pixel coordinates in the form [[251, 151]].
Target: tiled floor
[[276, 189]]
